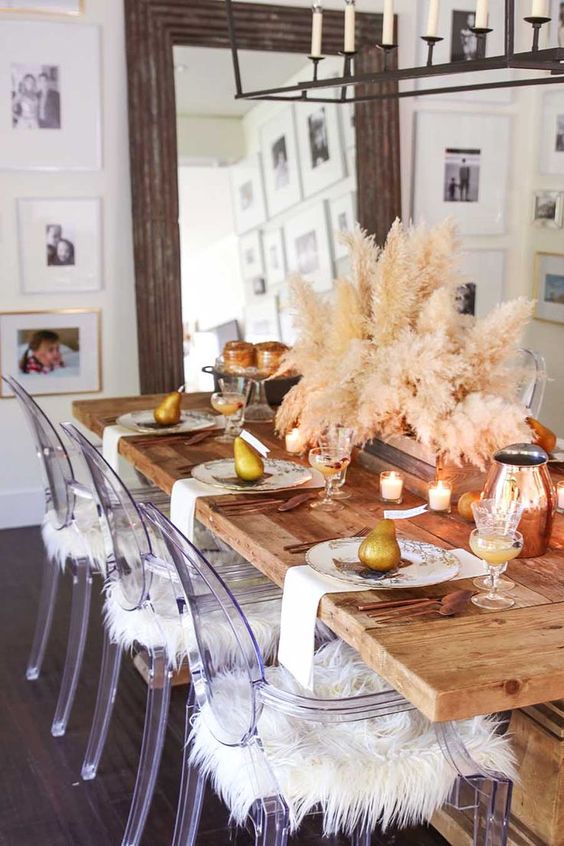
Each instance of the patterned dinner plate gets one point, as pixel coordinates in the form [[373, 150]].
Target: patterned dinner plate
[[277, 474], [421, 564], [144, 423]]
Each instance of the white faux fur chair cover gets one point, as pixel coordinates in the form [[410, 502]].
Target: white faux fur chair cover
[[74, 541], [383, 771]]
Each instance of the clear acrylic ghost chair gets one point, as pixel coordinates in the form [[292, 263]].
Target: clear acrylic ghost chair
[[71, 524], [141, 585], [237, 726], [532, 382]]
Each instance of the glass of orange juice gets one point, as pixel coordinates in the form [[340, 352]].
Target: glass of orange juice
[[231, 404], [331, 463]]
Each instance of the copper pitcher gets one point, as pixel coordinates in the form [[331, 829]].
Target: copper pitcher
[[520, 472]]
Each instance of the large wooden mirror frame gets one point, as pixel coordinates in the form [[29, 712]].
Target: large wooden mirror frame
[[153, 28]]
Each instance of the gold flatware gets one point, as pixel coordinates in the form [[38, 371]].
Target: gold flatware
[[305, 545]]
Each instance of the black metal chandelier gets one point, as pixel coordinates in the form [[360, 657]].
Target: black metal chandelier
[[550, 60]]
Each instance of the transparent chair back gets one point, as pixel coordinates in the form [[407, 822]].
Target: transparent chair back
[[211, 606], [53, 456], [130, 543], [532, 373]]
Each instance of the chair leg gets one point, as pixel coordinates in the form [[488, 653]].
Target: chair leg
[[158, 698], [47, 599], [192, 790], [80, 612], [270, 818], [361, 837], [107, 688], [491, 816]]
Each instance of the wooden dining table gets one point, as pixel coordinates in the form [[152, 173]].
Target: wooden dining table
[[450, 668]]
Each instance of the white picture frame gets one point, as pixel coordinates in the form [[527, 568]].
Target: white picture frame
[[322, 161], [461, 169], [261, 321], [485, 272], [549, 287], [51, 7], [342, 215], [281, 167], [250, 252], [547, 209], [452, 21], [77, 345], [274, 256], [60, 244], [247, 191], [551, 147], [308, 247], [50, 73]]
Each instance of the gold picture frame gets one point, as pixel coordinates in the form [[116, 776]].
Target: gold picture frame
[[38, 10], [548, 287], [83, 376]]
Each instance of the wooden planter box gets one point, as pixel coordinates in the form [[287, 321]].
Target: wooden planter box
[[419, 465]]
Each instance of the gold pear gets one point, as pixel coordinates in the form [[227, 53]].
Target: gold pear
[[544, 437], [249, 465], [167, 413], [380, 549]]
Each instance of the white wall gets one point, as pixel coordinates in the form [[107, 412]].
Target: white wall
[[20, 496]]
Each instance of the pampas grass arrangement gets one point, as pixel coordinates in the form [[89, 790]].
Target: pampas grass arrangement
[[389, 354]]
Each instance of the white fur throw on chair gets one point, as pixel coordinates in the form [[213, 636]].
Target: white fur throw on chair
[[75, 540], [383, 771]]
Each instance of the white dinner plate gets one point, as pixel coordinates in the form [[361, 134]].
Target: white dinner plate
[[144, 422], [277, 474], [422, 564]]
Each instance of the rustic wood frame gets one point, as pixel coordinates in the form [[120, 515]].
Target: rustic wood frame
[[153, 27]]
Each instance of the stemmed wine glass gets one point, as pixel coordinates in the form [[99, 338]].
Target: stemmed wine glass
[[339, 438], [230, 401], [496, 541], [330, 463]]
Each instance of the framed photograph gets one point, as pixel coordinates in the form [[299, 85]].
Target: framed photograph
[[60, 245], [308, 246], [461, 165], [342, 213], [250, 250], [261, 321], [321, 155], [552, 138], [51, 352], [50, 87], [54, 7], [280, 162], [274, 256], [557, 24], [248, 193], [549, 287], [485, 271], [259, 286], [547, 209]]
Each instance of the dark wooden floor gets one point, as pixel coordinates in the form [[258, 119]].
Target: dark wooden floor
[[43, 801]]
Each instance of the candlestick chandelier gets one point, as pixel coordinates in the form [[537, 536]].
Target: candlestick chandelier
[[550, 59]]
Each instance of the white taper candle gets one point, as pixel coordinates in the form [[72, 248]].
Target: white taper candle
[[316, 32], [433, 19], [388, 28], [481, 21], [349, 26], [540, 9]]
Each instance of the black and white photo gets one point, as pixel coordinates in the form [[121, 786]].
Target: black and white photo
[[559, 141], [551, 133], [247, 191], [250, 250], [464, 44], [280, 163], [318, 140], [259, 285], [462, 175], [548, 208], [342, 213], [484, 272], [307, 252], [322, 157], [246, 195], [36, 101], [274, 256], [466, 298], [308, 246], [59, 246]]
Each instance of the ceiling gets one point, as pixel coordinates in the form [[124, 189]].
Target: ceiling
[[205, 84]]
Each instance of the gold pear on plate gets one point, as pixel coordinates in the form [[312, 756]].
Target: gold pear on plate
[[168, 411], [249, 465], [380, 550]]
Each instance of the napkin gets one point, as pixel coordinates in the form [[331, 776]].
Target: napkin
[[303, 589], [110, 450]]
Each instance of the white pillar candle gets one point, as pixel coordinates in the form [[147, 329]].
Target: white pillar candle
[[391, 486], [388, 28], [540, 9], [294, 441], [316, 32], [439, 496], [481, 21], [349, 26], [433, 19], [560, 492]]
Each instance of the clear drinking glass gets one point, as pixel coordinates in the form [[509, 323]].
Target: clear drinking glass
[[231, 404], [330, 463], [508, 515], [340, 438], [496, 541]]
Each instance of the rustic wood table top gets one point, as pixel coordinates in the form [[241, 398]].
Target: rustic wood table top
[[450, 668]]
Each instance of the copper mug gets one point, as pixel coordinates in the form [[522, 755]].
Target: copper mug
[[520, 472]]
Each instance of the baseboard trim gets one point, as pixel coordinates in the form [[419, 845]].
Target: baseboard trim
[[21, 508]]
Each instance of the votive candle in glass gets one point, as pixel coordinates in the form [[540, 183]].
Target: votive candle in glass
[[439, 495], [295, 441], [560, 497], [391, 486]]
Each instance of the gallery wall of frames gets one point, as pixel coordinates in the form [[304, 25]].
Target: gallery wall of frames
[[67, 304]]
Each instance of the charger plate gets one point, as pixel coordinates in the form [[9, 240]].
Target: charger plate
[[144, 423], [422, 564], [277, 474]]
